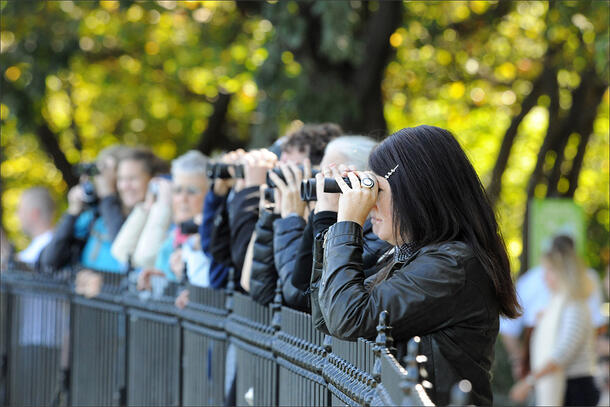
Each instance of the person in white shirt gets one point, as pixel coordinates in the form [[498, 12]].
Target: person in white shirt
[[534, 296], [36, 213], [562, 346]]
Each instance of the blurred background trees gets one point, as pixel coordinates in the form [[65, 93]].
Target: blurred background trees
[[523, 85]]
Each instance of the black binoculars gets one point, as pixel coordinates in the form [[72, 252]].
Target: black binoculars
[[89, 195], [279, 173], [90, 169], [308, 188], [189, 227], [221, 170]]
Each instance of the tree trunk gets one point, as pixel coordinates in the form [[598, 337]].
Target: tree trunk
[[587, 119], [569, 125], [48, 140], [369, 75], [215, 135], [549, 142], [541, 84], [551, 133]]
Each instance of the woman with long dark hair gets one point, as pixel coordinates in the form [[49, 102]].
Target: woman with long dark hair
[[448, 280]]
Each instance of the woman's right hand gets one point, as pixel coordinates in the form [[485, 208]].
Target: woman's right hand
[[356, 202], [75, 200]]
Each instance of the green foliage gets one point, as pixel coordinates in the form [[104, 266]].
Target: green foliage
[[97, 73], [474, 83]]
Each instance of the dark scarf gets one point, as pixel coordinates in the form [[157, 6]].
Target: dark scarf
[[404, 252]]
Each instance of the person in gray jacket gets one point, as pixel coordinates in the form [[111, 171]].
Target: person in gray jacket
[[448, 279]]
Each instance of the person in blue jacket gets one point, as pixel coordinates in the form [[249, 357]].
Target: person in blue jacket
[[85, 232]]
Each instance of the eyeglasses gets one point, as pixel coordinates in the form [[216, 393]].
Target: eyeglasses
[[189, 190]]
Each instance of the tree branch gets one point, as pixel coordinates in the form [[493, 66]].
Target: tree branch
[[49, 142], [215, 135], [585, 128], [568, 126]]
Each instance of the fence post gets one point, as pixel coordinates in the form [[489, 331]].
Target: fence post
[[381, 341], [410, 360], [230, 290], [276, 324], [327, 344], [411, 380]]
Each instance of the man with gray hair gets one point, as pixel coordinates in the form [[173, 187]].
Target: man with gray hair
[[36, 212]]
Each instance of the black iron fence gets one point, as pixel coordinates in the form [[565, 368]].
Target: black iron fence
[[121, 347]]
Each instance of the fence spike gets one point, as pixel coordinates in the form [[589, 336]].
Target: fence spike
[[327, 344], [460, 393], [410, 360], [276, 307]]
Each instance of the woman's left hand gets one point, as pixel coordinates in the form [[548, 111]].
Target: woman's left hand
[[356, 202], [520, 391]]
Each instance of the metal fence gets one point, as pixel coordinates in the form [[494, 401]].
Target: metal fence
[[124, 348]]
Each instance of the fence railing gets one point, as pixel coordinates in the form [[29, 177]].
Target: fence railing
[[124, 348]]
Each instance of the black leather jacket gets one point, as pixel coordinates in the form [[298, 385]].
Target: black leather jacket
[[441, 294], [294, 257]]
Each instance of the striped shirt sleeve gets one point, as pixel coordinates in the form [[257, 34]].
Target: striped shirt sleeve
[[572, 333]]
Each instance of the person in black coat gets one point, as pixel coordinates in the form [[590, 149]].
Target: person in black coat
[[448, 280], [304, 144], [293, 235]]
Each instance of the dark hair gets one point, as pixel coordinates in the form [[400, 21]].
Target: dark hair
[[562, 243], [438, 197], [153, 165], [312, 139]]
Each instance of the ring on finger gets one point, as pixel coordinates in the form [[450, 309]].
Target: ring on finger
[[367, 182]]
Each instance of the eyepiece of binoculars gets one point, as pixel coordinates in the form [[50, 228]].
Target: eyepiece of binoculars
[[279, 173], [221, 170], [308, 188]]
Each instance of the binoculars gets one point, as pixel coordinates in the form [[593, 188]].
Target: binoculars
[[308, 188], [90, 169], [221, 170], [279, 173], [189, 227], [89, 195]]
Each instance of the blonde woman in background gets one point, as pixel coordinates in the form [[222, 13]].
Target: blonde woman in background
[[563, 352]]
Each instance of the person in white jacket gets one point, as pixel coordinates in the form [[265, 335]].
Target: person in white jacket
[[151, 237]]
